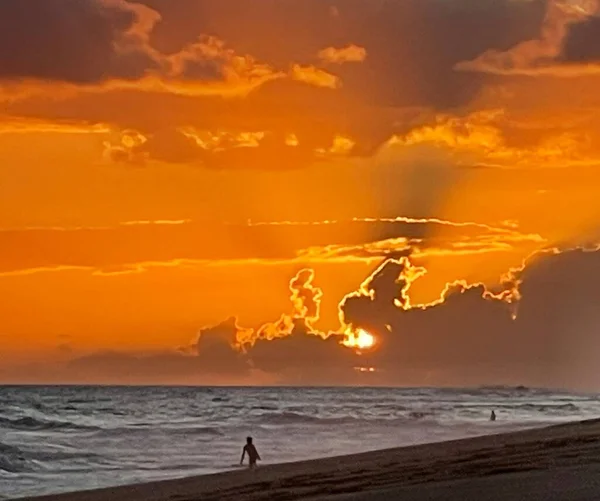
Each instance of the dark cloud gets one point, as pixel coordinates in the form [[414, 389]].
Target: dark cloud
[[380, 297], [303, 358], [582, 43], [87, 42], [125, 367], [470, 338], [270, 153], [416, 45], [412, 45], [566, 31], [201, 55], [412, 49], [471, 335], [167, 146], [68, 40], [212, 356], [558, 317], [214, 349]]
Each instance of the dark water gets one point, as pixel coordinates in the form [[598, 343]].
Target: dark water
[[56, 439]]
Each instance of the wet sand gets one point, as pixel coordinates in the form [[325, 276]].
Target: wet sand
[[542, 464]]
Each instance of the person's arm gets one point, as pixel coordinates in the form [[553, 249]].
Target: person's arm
[[243, 455]]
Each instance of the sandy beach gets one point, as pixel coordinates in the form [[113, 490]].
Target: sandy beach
[[555, 463]]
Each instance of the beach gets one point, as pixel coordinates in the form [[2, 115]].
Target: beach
[[63, 439], [560, 462]]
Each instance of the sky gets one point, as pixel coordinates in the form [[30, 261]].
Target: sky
[[300, 192]]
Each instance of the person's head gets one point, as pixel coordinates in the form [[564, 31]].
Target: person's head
[[249, 440]]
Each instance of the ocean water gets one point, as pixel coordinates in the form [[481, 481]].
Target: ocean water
[[58, 439]]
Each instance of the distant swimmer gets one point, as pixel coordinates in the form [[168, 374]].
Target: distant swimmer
[[493, 416], [253, 454]]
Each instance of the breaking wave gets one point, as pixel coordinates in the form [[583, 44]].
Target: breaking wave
[[17, 460], [33, 424], [296, 418]]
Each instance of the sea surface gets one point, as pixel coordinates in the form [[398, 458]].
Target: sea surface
[[58, 439]]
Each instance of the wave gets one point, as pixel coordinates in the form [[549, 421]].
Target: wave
[[11, 460], [543, 408], [32, 424], [290, 418], [500, 387], [16, 460], [150, 429], [297, 418], [201, 430], [435, 416]]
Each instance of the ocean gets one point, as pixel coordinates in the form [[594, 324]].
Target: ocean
[[60, 439]]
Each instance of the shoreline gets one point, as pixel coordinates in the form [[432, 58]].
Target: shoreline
[[526, 452]]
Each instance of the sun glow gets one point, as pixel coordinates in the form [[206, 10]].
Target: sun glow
[[360, 340]]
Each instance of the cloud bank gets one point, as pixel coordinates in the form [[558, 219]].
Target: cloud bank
[[470, 336], [186, 84]]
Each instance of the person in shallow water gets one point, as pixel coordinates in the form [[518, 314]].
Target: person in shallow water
[[493, 416], [253, 454]]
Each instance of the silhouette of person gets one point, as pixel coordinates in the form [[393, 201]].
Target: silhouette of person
[[493, 416], [253, 454]]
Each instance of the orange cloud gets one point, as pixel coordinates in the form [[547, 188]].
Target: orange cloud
[[306, 302], [191, 145], [138, 245], [349, 54], [211, 59], [479, 139], [314, 76], [12, 125]]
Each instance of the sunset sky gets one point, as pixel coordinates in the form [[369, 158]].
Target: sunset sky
[[232, 191]]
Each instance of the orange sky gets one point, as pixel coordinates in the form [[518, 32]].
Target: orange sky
[[168, 168]]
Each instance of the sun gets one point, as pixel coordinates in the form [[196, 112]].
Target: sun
[[360, 339]]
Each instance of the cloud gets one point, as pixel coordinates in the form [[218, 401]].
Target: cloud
[[306, 298], [135, 246], [231, 151], [302, 358], [306, 301], [448, 32], [166, 145], [384, 292], [349, 54], [468, 337], [215, 351], [12, 125], [199, 50], [314, 76], [210, 59], [77, 41], [483, 138], [439, 88], [561, 31], [581, 44], [120, 55], [414, 95], [471, 329]]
